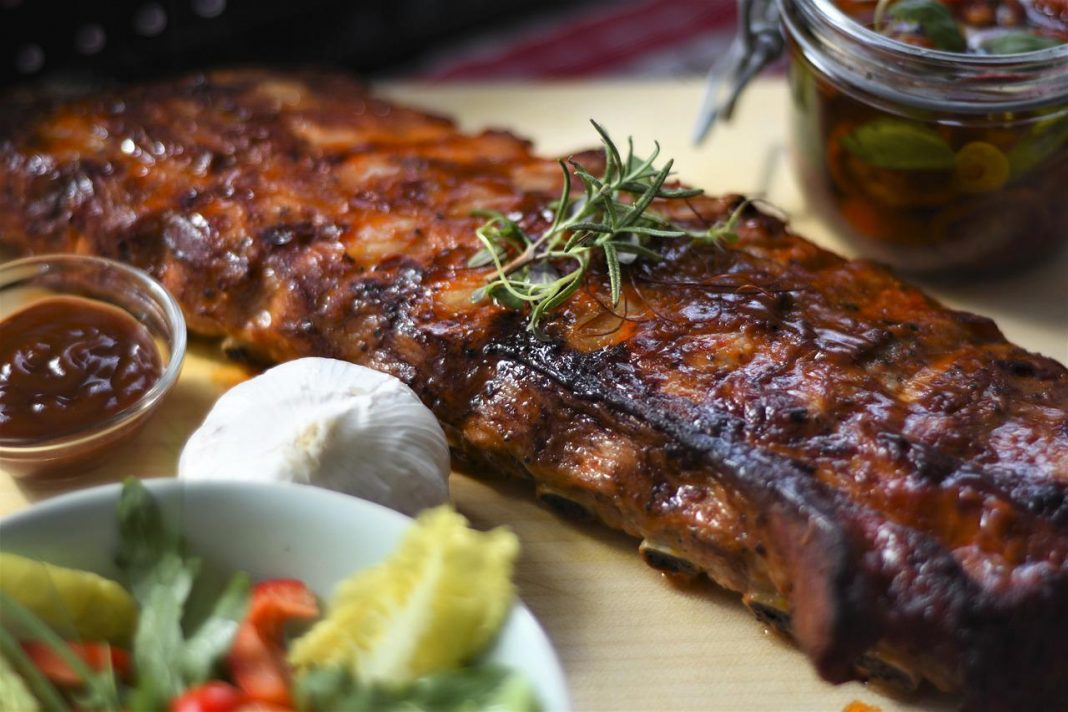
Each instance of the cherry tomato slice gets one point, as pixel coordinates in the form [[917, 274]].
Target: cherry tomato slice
[[258, 666], [212, 696]]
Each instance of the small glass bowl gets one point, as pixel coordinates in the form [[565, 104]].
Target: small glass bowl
[[25, 281]]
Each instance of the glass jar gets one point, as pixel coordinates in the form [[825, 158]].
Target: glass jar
[[934, 162]]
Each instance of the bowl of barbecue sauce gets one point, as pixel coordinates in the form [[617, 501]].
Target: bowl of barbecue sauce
[[89, 348], [933, 134]]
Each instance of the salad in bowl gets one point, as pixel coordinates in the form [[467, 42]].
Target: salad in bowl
[[243, 597]]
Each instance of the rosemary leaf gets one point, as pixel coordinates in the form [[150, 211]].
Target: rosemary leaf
[[643, 202], [634, 187], [679, 192], [613, 161], [611, 258], [484, 257], [592, 227], [507, 297], [637, 250], [569, 286], [654, 231], [563, 204]]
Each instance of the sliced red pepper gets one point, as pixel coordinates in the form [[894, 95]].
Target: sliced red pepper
[[97, 656], [276, 601], [257, 657], [210, 697], [258, 666]]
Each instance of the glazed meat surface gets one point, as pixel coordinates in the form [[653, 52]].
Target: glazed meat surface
[[882, 478]]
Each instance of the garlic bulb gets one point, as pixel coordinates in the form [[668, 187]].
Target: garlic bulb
[[328, 423]]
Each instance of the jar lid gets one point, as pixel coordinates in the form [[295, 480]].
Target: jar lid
[[908, 77], [879, 66]]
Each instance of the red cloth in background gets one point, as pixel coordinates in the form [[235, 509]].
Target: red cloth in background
[[644, 38]]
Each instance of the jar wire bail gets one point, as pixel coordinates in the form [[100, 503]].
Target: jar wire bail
[[758, 43]]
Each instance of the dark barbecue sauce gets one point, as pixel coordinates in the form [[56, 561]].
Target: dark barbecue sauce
[[67, 364]]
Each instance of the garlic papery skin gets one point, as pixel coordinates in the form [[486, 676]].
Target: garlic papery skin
[[327, 423]]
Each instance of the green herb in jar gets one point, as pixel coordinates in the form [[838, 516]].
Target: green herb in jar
[[1017, 42], [932, 18]]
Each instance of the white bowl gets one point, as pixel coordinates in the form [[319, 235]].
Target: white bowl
[[268, 530]]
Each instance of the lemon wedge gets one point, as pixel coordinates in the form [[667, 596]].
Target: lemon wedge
[[433, 605], [75, 603], [14, 694]]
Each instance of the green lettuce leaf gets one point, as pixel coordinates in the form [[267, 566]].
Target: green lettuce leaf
[[489, 688], [213, 638], [161, 576]]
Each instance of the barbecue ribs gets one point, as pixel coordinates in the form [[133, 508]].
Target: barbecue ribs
[[880, 477]]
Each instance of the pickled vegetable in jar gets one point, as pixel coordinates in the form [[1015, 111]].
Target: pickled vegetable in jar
[[934, 134], [980, 27]]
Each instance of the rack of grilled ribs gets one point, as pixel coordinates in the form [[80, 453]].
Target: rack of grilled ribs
[[880, 477]]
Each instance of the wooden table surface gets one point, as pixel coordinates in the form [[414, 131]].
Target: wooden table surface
[[628, 639]]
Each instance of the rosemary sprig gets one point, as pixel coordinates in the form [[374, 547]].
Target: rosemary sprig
[[611, 217]]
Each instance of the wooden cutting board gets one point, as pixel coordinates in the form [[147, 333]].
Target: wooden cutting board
[[628, 639]]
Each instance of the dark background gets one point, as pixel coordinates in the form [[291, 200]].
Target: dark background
[[104, 40]]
